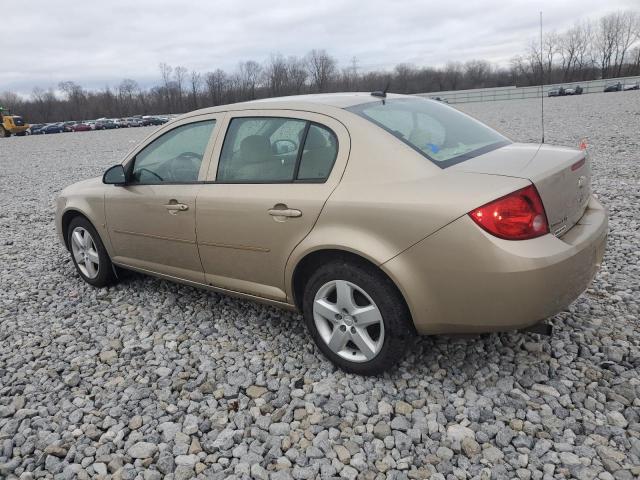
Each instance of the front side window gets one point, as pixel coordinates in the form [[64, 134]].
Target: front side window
[[439, 132], [276, 150], [175, 157]]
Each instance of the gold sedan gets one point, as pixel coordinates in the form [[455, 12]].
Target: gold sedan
[[379, 218]]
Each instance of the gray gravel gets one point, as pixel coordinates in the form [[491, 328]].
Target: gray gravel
[[150, 378]]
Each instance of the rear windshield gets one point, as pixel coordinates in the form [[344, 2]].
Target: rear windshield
[[437, 131]]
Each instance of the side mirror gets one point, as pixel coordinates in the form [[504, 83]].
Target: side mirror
[[115, 176]]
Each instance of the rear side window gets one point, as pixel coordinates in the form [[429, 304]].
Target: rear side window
[[439, 132], [319, 154], [276, 150]]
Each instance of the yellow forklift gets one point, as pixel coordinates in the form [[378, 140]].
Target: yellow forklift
[[12, 124]]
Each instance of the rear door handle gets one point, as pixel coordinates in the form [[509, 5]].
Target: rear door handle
[[284, 212]]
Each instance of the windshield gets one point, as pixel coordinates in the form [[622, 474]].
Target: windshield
[[437, 131]]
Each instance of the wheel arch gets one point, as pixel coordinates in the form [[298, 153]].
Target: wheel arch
[[312, 260], [67, 218]]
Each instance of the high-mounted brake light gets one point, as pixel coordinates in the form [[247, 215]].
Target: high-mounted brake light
[[517, 216]]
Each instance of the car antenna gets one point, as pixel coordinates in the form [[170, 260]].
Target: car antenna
[[541, 82], [382, 94]]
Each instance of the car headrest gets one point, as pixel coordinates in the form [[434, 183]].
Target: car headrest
[[254, 147]]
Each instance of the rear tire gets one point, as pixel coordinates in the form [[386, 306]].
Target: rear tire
[[89, 256], [357, 317]]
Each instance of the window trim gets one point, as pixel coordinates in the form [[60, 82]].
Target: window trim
[[358, 110], [296, 169], [131, 162]]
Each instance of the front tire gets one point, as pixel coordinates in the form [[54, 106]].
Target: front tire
[[89, 256], [356, 317]]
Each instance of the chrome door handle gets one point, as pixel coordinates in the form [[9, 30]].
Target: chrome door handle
[[176, 207], [284, 212]]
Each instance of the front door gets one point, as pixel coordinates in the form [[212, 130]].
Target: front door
[[275, 172], [152, 220]]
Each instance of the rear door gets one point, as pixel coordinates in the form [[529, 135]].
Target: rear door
[[276, 170]]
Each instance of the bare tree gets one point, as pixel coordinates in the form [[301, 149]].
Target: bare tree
[[126, 91], [550, 50], [628, 29], [605, 43], [276, 76], [179, 76], [44, 101], [216, 83], [321, 68], [453, 73], [75, 95], [297, 73], [402, 76], [165, 72], [249, 75], [634, 64], [196, 84], [573, 47], [476, 72]]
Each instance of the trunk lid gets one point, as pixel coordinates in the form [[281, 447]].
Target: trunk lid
[[561, 175]]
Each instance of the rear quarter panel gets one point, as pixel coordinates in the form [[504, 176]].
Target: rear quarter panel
[[390, 198]]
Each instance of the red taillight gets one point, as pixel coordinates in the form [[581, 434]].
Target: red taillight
[[517, 216]]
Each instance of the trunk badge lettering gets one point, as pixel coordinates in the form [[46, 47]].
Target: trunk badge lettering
[[560, 230]]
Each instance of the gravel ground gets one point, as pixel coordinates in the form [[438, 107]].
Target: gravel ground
[[149, 378]]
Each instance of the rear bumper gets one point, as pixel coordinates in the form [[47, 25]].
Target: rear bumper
[[463, 280]]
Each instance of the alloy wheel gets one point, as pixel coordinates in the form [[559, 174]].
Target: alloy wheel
[[85, 252], [348, 321]]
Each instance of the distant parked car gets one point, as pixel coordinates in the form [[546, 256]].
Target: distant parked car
[[105, 125], [160, 120], [52, 128], [81, 127], [151, 120], [613, 87], [632, 86], [557, 92], [35, 129], [577, 90], [133, 122], [67, 126]]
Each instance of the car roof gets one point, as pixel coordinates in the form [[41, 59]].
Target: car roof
[[318, 102]]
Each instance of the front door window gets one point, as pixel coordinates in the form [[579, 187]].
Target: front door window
[[175, 157]]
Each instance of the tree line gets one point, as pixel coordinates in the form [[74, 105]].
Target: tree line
[[605, 47]]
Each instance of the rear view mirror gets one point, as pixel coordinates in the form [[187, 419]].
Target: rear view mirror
[[115, 176]]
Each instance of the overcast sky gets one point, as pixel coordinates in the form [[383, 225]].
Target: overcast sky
[[97, 43]]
